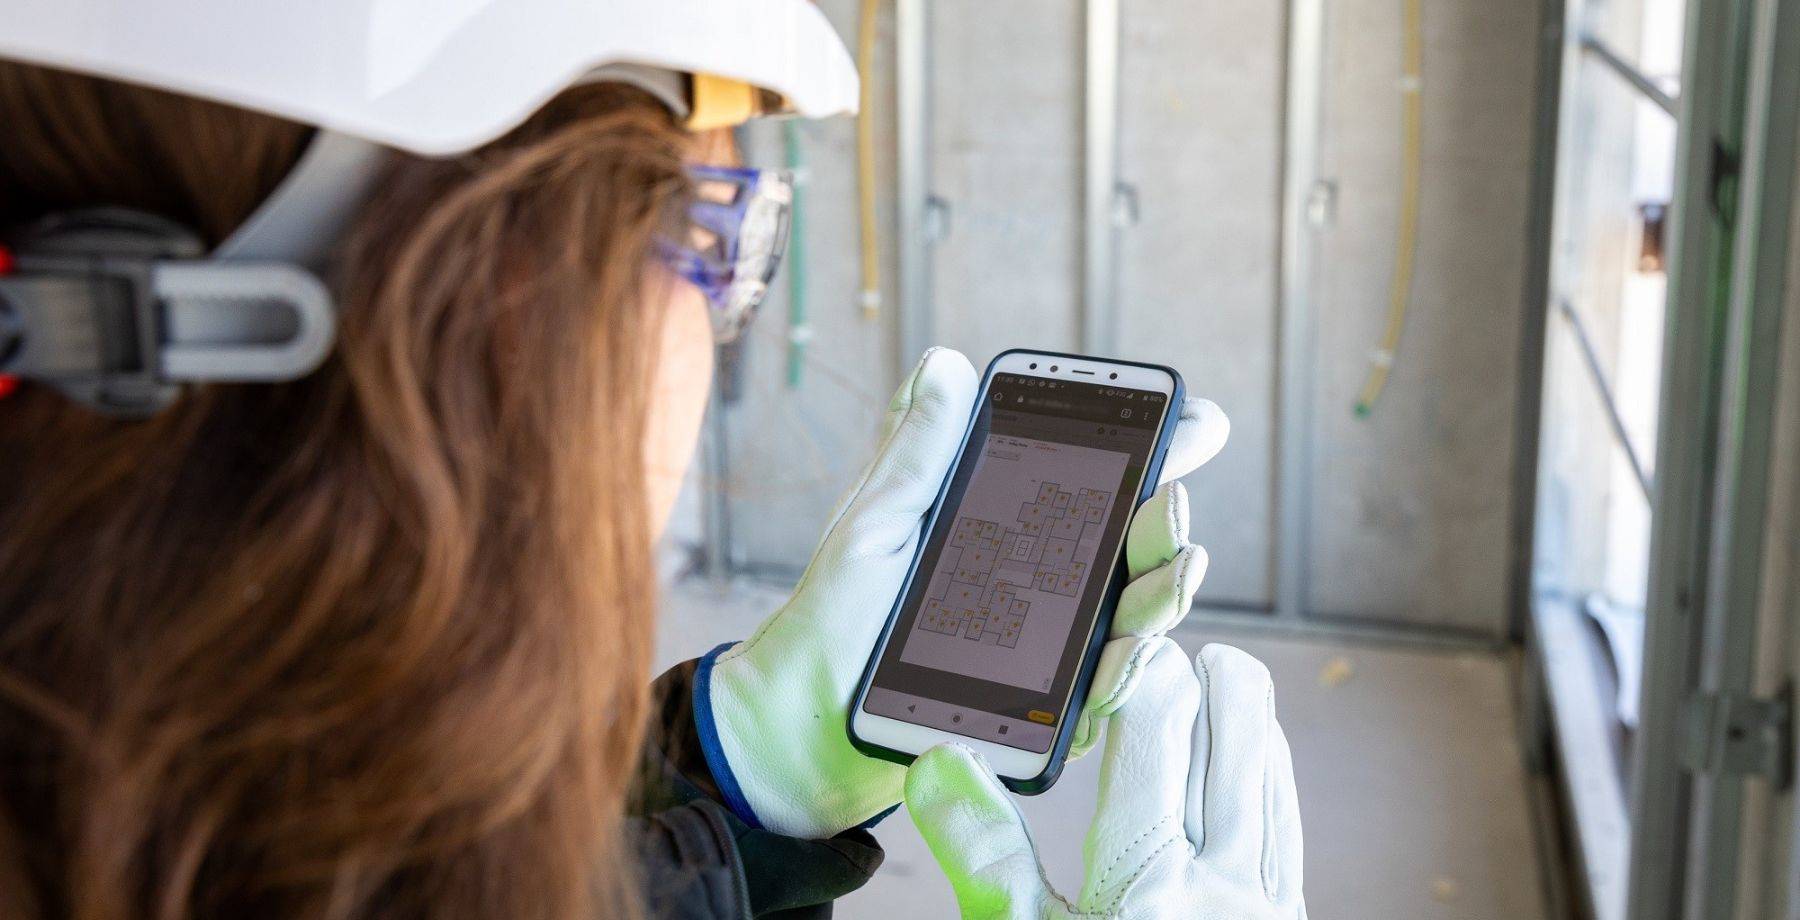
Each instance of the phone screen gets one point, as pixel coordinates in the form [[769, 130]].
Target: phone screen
[[990, 635]]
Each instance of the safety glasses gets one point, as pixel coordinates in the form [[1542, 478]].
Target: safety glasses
[[737, 231]]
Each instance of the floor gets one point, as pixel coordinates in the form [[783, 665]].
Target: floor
[[1411, 788]]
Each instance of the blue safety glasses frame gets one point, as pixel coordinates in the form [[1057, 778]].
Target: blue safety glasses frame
[[737, 230]]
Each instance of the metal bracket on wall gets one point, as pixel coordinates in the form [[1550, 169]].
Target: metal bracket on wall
[[1737, 735], [1321, 204], [937, 219], [1125, 209]]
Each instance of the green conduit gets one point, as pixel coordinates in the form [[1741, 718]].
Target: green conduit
[[798, 330]]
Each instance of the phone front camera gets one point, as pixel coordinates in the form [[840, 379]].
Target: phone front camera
[[1034, 365], [1113, 376], [1052, 368]]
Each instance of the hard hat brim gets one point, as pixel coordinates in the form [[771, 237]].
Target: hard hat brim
[[433, 77]]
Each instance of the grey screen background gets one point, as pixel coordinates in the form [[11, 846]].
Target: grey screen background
[[1003, 597]]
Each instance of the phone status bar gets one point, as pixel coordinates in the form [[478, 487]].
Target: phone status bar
[[1073, 401], [1082, 388]]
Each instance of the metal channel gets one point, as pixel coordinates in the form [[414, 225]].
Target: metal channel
[[1205, 623], [1746, 443], [1540, 234], [912, 180], [1602, 52], [1700, 238], [1100, 177], [1297, 322], [1590, 359]]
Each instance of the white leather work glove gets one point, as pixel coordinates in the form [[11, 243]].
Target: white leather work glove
[[1197, 815], [772, 711]]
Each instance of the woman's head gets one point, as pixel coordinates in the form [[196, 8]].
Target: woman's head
[[375, 641]]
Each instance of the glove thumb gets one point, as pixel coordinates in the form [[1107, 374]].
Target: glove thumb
[[976, 833]]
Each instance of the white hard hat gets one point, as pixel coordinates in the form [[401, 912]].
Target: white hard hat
[[431, 76]]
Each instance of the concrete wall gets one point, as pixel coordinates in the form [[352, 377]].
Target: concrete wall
[[1200, 125], [1410, 506], [793, 450], [1409, 521]]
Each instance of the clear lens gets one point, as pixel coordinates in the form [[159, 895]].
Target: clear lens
[[738, 230], [761, 240], [758, 238]]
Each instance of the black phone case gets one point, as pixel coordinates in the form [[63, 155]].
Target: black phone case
[[1090, 659]]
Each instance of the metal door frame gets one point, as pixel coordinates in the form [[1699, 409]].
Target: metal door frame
[[1700, 237], [1735, 166], [1747, 397]]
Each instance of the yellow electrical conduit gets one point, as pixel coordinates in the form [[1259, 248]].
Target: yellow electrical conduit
[[1407, 242], [865, 162]]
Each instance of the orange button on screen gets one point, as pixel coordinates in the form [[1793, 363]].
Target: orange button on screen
[[1038, 715]]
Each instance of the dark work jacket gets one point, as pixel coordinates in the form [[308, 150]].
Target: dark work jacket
[[699, 861]]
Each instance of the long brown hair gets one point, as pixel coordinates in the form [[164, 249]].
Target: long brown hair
[[372, 643]]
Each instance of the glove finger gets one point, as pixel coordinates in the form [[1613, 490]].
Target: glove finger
[[1154, 603], [974, 831], [1158, 529], [1286, 867], [1144, 779], [1121, 664], [1200, 434], [1228, 802], [1149, 607]]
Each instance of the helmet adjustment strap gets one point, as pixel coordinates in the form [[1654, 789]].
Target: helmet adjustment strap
[[119, 309]]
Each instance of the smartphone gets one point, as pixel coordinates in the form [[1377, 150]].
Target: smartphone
[[999, 625]]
